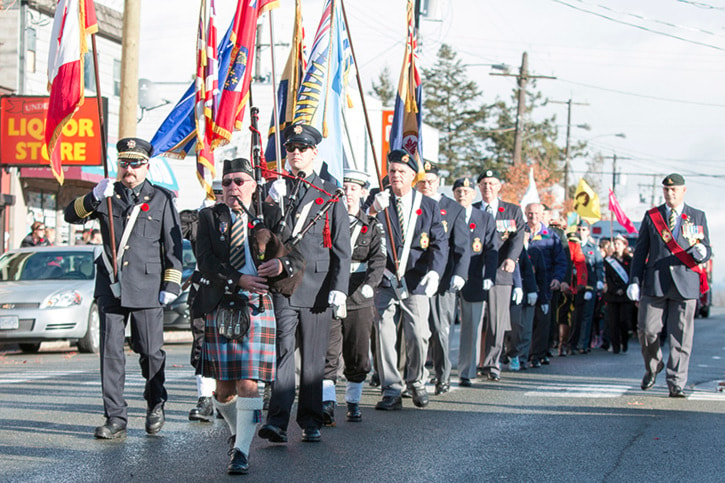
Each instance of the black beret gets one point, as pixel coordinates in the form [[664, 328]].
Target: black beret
[[237, 165], [463, 183], [488, 173], [400, 156], [302, 134], [673, 179], [428, 167], [134, 148]]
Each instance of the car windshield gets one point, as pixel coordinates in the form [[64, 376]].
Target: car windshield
[[189, 262], [47, 265]]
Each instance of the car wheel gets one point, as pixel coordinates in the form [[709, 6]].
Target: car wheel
[[91, 342], [30, 348]]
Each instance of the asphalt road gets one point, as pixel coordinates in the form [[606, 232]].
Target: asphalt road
[[582, 418]]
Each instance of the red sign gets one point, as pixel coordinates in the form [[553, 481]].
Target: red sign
[[387, 124], [22, 139]]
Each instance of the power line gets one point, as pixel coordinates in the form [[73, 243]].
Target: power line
[[706, 6]]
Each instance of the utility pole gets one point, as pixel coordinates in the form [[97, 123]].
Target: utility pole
[[522, 79], [568, 137], [129, 69], [614, 159]]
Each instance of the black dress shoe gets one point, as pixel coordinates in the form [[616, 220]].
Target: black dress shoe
[[311, 435], [464, 382], [328, 413], [420, 397], [389, 403], [493, 377], [442, 388], [238, 464], [374, 380], [354, 415], [272, 433], [649, 378], [545, 361], [203, 411], [110, 430], [676, 391], [155, 419], [535, 363]]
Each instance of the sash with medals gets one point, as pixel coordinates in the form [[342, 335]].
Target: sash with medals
[[675, 248]]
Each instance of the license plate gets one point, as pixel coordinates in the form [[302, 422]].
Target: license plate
[[9, 323]]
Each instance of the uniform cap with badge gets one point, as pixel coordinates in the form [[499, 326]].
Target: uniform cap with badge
[[357, 177], [301, 134], [465, 182], [488, 173], [134, 148], [402, 157], [237, 165], [673, 179], [429, 167]]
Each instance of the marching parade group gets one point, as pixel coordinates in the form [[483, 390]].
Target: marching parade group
[[368, 282]]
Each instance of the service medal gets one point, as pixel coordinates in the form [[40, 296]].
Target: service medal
[[445, 225], [666, 235], [424, 240], [477, 245]]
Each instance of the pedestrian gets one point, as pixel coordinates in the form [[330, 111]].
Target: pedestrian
[[49, 236], [572, 294], [402, 298], [666, 278], [147, 277], [305, 315], [619, 308], [581, 335], [481, 277], [443, 303], [350, 336], [36, 237], [95, 237], [238, 348]]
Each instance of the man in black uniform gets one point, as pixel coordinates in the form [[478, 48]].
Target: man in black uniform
[[149, 250], [306, 313]]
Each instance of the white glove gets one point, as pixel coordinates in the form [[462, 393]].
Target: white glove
[[337, 300], [487, 284], [531, 298], [381, 201], [367, 291], [633, 292], [430, 283], [545, 308], [103, 189], [517, 295], [588, 295], [700, 251], [600, 286], [165, 298], [457, 283], [278, 190]]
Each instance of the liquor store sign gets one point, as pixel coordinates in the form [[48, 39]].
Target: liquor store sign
[[22, 140]]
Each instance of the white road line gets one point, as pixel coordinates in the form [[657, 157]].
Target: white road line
[[592, 391], [37, 376], [171, 375]]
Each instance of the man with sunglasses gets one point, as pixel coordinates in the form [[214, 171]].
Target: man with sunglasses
[[146, 276], [321, 294]]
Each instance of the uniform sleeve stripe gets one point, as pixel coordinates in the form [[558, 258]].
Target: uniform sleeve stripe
[[80, 207], [172, 275]]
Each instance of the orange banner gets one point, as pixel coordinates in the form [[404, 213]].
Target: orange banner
[[387, 124], [22, 139]]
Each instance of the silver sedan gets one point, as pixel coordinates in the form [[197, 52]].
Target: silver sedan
[[46, 294]]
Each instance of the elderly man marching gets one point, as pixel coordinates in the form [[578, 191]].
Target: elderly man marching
[[673, 240], [422, 251]]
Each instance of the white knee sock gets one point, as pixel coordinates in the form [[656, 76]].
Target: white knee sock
[[205, 386], [249, 410], [229, 411], [328, 390], [353, 392]]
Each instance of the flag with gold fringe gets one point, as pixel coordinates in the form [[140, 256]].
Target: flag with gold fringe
[[207, 90]]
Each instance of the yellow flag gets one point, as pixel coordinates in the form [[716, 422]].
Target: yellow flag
[[586, 202]]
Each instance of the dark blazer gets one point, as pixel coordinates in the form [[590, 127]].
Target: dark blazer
[[453, 218], [658, 272], [595, 263], [428, 248], [509, 243], [484, 255], [152, 260], [616, 287], [370, 249], [535, 274]]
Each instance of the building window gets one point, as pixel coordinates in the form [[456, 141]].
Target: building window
[[117, 78], [30, 51], [89, 76]]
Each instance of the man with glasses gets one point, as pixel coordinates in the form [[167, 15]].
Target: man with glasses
[[145, 276]]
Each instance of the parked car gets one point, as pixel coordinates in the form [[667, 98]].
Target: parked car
[[177, 314], [46, 294]]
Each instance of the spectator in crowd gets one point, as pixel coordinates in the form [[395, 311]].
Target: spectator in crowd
[[36, 237]]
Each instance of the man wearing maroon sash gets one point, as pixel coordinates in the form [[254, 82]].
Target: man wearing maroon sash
[[673, 241]]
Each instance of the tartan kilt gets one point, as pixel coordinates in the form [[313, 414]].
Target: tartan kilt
[[253, 357]]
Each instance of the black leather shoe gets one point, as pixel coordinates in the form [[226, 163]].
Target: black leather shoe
[[677, 391], [420, 397], [442, 388], [464, 382], [374, 380], [328, 413], [155, 419], [545, 361], [493, 377], [311, 435], [203, 411], [389, 403], [649, 378], [535, 363], [273, 434], [354, 415], [238, 464], [110, 430]]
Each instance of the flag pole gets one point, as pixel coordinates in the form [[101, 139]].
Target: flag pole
[[275, 115], [104, 151], [370, 134]]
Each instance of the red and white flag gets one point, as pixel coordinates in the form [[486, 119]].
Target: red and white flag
[[622, 219], [74, 21], [207, 90]]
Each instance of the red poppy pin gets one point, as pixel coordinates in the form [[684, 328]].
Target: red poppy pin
[[500, 209], [443, 212], [418, 212], [590, 253], [544, 232], [250, 225], [684, 216], [144, 207], [364, 229], [472, 226], [319, 201]]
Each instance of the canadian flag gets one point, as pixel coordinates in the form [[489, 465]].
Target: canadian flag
[[74, 20]]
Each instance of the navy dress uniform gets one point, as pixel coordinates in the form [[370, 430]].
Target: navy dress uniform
[[149, 251], [673, 240]]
